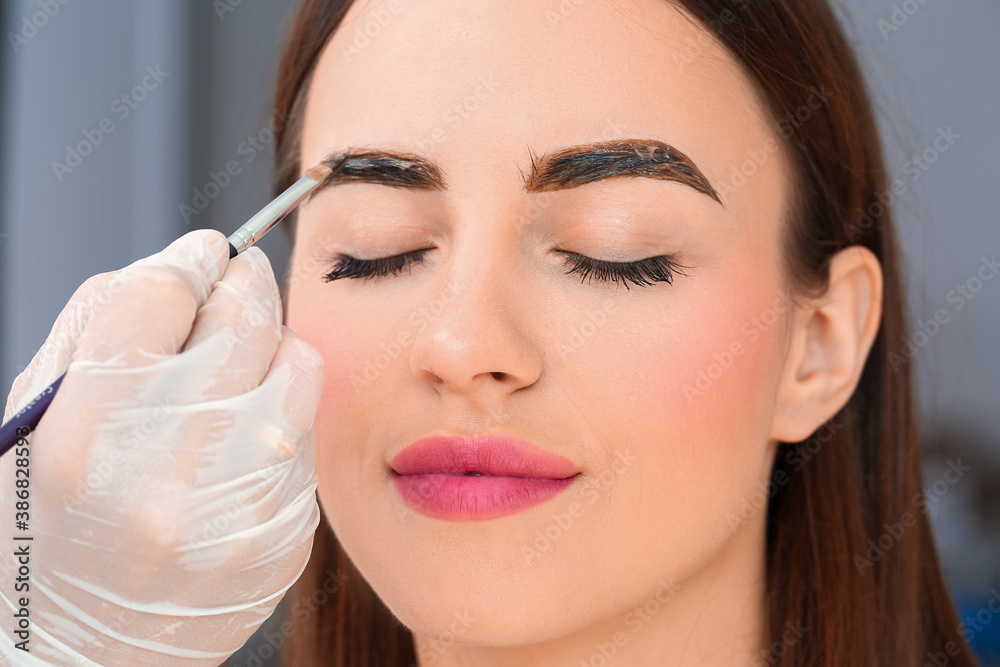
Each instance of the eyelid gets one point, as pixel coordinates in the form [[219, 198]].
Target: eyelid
[[644, 272], [346, 266]]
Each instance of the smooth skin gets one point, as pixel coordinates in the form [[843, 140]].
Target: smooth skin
[[641, 557]]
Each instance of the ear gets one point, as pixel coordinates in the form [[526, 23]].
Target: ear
[[831, 337]]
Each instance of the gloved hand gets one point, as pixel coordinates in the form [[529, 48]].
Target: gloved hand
[[172, 479]]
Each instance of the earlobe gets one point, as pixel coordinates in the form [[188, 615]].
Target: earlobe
[[831, 337]]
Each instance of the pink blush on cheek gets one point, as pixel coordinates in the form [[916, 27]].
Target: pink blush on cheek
[[731, 361], [343, 385], [338, 389]]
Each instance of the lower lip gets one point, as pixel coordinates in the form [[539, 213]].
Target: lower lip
[[457, 497]]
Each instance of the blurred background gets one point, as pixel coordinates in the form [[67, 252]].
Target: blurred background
[[118, 120]]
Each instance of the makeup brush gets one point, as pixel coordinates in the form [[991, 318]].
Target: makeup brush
[[22, 423]]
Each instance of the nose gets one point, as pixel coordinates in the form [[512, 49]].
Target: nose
[[479, 336]]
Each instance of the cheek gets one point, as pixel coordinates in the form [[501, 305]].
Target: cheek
[[724, 366], [699, 401], [366, 355], [349, 349], [310, 316]]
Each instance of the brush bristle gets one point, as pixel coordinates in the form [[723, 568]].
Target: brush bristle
[[320, 171]]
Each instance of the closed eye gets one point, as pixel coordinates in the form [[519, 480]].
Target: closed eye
[[345, 266], [644, 272]]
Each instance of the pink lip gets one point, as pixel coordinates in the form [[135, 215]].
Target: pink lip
[[431, 474]]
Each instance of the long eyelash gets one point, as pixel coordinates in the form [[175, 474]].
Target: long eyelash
[[643, 273], [346, 266]]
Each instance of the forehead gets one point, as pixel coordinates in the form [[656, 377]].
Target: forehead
[[477, 83]]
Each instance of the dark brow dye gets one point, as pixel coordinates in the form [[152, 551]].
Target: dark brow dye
[[577, 165], [383, 168], [564, 168]]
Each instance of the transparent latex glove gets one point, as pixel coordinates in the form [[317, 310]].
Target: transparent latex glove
[[172, 479]]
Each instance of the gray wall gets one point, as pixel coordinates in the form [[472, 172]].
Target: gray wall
[[123, 200], [937, 67], [940, 69]]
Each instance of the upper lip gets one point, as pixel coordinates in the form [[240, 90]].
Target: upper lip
[[499, 455]]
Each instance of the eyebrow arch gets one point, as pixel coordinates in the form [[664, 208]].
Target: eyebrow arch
[[562, 169], [576, 165]]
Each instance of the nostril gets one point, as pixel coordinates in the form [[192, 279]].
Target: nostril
[[497, 375]]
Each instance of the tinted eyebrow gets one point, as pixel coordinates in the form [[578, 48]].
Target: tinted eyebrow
[[577, 165], [381, 167], [564, 168]]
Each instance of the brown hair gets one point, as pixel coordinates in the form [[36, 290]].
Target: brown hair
[[863, 606]]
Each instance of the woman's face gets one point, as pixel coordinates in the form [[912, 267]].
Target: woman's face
[[662, 396]]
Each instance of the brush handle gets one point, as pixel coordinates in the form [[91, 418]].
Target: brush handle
[[28, 417], [31, 414]]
